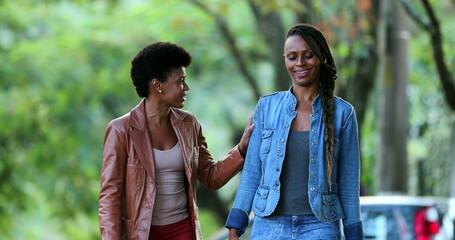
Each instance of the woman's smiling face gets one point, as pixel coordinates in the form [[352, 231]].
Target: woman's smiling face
[[301, 62]]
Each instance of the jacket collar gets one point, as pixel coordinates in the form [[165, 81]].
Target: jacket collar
[[138, 119], [140, 137], [292, 101]]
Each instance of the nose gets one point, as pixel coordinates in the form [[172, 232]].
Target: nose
[[186, 87], [300, 61]]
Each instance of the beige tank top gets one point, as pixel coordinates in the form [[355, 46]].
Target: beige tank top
[[171, 200]]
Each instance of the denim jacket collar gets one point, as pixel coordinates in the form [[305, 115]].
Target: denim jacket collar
[[292, 101]]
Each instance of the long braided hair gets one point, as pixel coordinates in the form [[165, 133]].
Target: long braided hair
[[328, 76]]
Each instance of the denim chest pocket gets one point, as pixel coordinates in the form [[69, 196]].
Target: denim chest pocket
[[266, 140]]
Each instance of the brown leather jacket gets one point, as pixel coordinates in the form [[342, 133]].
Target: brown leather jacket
[[127, 193]]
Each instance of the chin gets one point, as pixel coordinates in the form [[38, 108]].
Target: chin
[[304, 82], [179, 105]]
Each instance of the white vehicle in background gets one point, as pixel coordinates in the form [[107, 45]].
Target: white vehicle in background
[[408, 218], [392, 217]]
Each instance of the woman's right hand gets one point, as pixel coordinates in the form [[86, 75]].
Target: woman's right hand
[[243, 144], [233, 234]]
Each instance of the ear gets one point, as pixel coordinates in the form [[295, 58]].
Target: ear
[[155, 83]]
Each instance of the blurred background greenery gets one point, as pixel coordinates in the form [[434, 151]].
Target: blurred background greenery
[[64, 74]]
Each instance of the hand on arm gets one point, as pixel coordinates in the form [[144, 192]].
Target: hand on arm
[[243, 144]]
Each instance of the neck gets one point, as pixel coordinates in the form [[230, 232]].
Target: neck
[[156, 112], [305, 94]]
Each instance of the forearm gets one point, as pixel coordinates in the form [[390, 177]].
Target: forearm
[[214, 175]]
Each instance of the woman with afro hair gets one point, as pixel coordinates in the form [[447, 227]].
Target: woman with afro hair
[[155, 154]]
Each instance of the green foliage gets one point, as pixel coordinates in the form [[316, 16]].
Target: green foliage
[[62, 80], [64, 74], [369, 149], [431, 120], [209, 222]]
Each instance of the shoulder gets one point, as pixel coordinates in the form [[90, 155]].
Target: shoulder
[[272, 96], [117, 129], [343, 105], [120, 123], [345, 111]]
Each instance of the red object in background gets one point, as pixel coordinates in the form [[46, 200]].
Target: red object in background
[[426, 223]]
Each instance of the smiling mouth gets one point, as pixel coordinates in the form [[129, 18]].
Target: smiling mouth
[[302, 72]]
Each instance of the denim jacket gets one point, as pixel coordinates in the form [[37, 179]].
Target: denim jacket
[[259, 189]]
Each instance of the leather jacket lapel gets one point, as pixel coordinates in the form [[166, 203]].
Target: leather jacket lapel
[[141, 139], [183, 131]]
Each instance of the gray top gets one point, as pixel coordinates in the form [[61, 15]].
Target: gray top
[[294, 176], [171, 201]]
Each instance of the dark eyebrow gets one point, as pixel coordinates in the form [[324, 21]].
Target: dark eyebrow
[[304, 51]]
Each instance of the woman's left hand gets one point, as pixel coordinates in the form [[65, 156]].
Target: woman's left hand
[[243, 145]]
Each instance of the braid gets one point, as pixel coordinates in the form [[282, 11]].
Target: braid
[[328, 76], [328, 107]]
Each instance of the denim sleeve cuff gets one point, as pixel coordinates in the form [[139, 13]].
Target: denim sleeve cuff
[[354, 231], [237, 219]]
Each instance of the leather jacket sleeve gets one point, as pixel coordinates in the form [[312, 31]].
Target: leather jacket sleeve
[[112, 182], [214, 175]]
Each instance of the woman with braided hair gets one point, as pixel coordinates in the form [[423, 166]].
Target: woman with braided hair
[[302, 169]]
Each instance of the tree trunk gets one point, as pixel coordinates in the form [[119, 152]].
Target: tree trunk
[[271, 28], [232, 45], [394, 113], [309, 15], [452, 141], [430, 23], [432, 27]]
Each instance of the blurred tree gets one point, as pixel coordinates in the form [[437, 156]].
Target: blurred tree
[[64, 74], [228, 36], [269, 23], [431, 24], [58, 93], [356, 66], [394, 115]]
